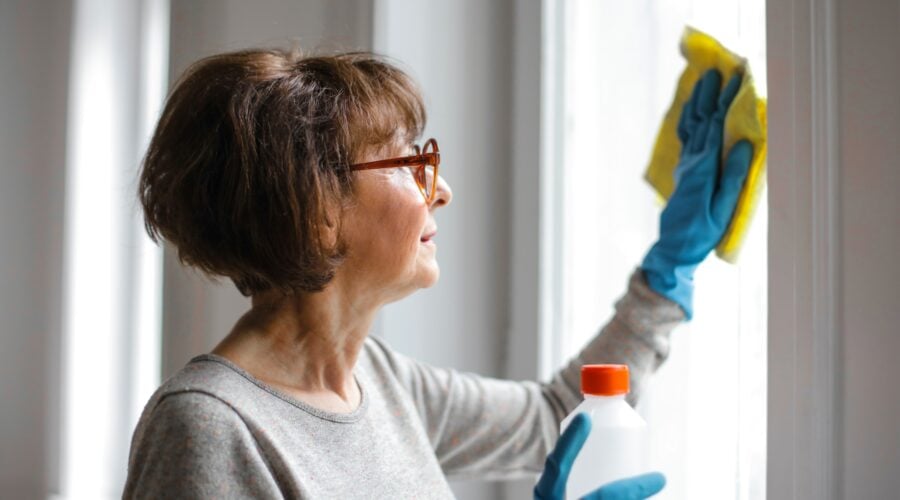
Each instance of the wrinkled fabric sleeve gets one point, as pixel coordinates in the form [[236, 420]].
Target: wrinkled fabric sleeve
[[487, 428], [196, 446]]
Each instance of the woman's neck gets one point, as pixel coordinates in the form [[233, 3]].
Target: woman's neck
[[305, 345]]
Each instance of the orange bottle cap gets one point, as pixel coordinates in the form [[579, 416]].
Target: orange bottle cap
[[604, 380]]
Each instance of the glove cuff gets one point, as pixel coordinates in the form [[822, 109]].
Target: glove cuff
[[671, 280]]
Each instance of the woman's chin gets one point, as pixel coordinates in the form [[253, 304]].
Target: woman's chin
[[429, 275], [433, 279]]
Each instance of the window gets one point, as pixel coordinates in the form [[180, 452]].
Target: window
[[110, 348], [619, 65]]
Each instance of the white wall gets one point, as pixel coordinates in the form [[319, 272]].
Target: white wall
[[34, 53], [834, 400], [869, 108]]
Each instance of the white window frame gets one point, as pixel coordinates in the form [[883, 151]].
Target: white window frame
[[803, 386]]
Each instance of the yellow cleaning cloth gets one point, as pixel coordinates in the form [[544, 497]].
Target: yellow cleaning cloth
[[746, 119]]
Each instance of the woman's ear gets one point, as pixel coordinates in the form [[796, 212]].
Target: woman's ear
[[329, 231], [333, 219]]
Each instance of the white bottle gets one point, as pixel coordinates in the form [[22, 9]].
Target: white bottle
[[617, 445]]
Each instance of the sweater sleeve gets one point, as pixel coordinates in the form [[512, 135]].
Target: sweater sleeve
[[498, 429], [637, 336], [193, 445]]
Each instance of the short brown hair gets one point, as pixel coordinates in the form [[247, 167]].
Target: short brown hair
[[252, 149]]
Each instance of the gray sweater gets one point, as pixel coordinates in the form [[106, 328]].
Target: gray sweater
[[214, 431]]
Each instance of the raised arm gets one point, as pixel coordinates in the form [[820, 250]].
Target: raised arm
[[490, 428]]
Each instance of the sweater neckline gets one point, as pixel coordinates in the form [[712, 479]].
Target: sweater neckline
[[343, 418]]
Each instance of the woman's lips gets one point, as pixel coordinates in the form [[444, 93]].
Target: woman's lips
[[427, 237]]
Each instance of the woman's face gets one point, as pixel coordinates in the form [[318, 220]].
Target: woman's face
[[389, 230]]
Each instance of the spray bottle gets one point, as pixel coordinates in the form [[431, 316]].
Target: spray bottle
[[617, 445]]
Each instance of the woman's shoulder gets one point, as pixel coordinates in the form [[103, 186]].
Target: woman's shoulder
[[206, 374], [179, 440], [189, 413], [208, 387]]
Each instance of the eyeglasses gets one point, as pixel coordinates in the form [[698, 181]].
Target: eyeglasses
[[426, 162]]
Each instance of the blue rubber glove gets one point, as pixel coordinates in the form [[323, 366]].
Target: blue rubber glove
[[552, 484], [700, 208]]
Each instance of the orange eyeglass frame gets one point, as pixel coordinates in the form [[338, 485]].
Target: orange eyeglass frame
[[428, 155]]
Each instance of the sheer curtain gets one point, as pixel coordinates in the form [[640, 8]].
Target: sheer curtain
[[706, 407]]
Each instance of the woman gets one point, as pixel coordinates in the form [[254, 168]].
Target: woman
[[297, 178]]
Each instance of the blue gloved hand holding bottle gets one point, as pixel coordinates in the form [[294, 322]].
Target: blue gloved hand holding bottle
[[700, 208], [552, 484]]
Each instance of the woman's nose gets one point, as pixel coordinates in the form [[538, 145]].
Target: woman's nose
[[444, 194]]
